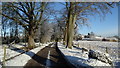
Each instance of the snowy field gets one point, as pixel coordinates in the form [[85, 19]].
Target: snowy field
[[112, 47], [21, 59], [76, 57]]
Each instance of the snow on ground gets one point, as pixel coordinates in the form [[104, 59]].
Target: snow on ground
[[78, 58], [22, 59], [112, 47]]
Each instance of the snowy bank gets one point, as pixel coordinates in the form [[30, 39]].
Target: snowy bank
[[79, 58], [22, 59], [18, 58]]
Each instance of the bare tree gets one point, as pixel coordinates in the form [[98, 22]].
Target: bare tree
[[78, 12], [46, 32], [29, 16]]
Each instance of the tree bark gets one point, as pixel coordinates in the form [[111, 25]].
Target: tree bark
[[71, 23], [69, 34], [31, 43], [65, 34]]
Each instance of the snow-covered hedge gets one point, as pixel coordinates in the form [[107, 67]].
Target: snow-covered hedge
[[104, 57]]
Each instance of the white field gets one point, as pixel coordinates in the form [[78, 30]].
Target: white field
[[76, 57], [112, 47]]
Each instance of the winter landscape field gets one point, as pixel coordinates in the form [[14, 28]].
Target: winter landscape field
[[113, 50], [36, 34], [75, 55]]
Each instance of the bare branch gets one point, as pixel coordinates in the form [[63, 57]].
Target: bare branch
[[42, 10], [86, 8], [16, 20], [24, 9], [20, 15], [110, 4], [67, 6]]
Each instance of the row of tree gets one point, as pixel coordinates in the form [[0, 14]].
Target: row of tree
[[36, 17], [46, 32]]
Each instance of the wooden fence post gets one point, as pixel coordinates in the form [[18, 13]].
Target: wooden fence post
[[106, 49], [4, 56]]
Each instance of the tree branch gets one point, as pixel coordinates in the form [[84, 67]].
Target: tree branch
[[20, 15], [42, 10], [16, 20], [9, 6], [86, 8], [24, 9], [110, 4]]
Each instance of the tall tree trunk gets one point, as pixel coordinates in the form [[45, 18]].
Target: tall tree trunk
[[16, 30], [31, 43], [69, 38], [65, 34], [71, 23], [66, 29], [70, 33]]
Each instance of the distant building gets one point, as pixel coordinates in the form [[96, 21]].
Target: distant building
[[92, 37]]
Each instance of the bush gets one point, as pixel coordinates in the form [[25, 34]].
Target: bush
[[113, 40], [105, 39]]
